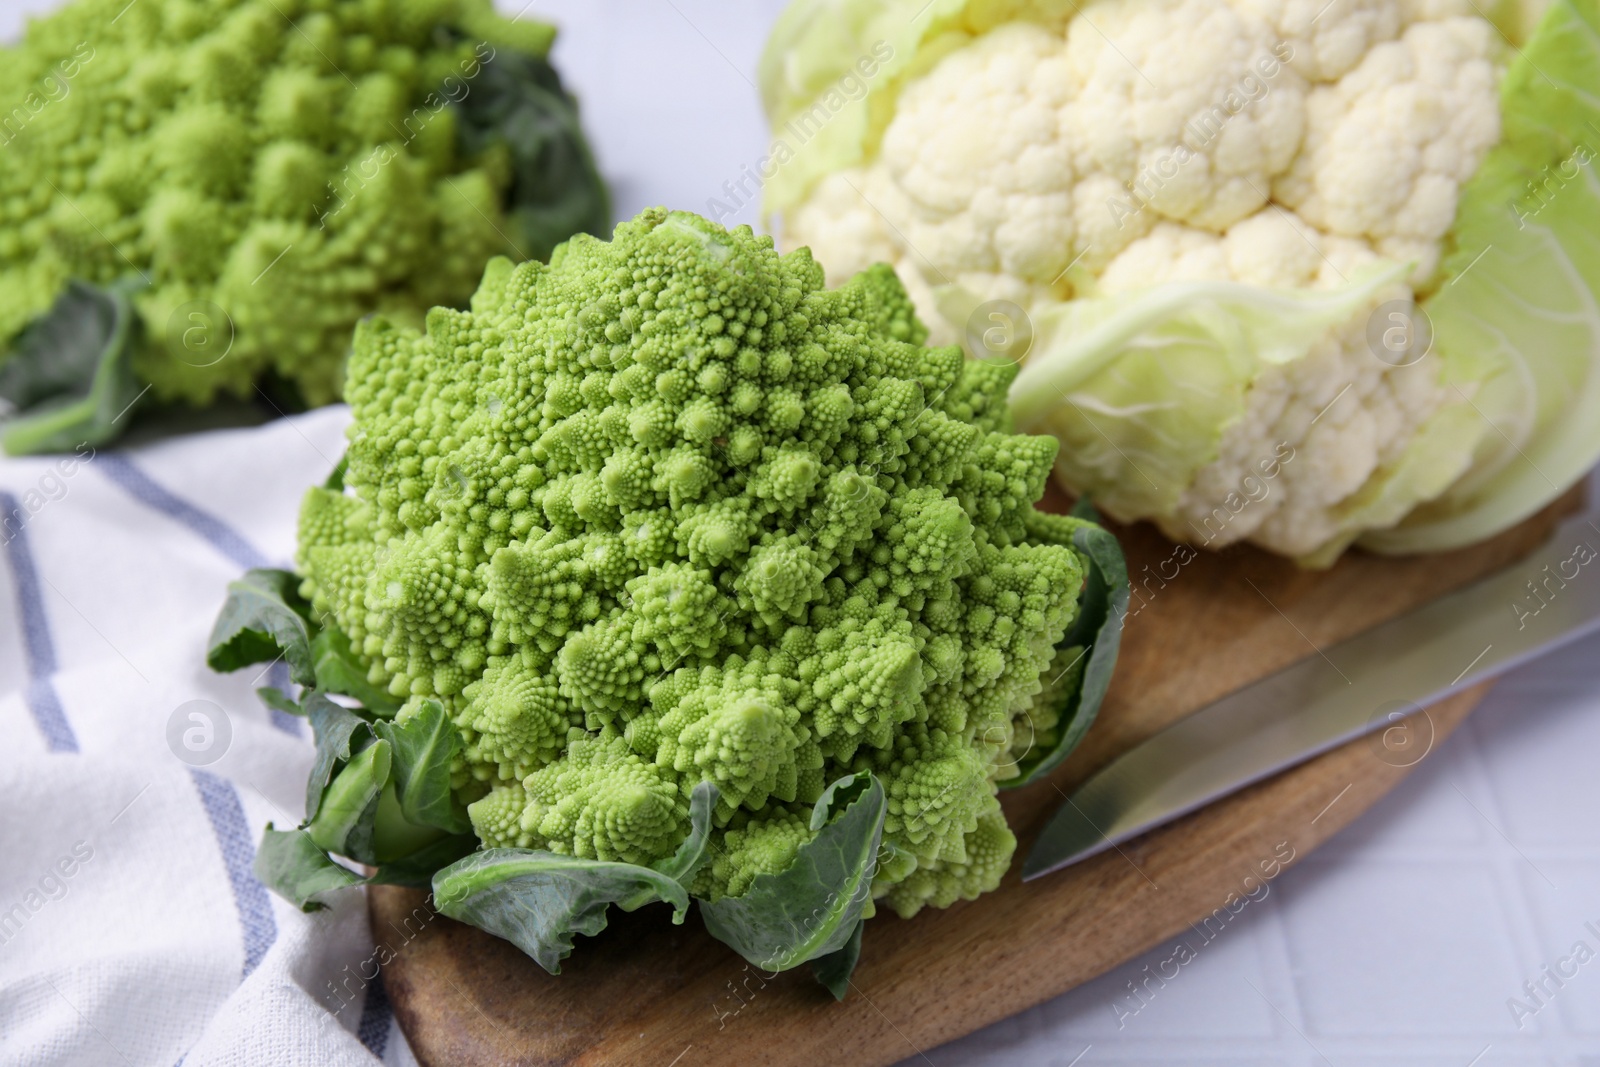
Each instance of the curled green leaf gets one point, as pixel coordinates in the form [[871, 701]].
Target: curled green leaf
[[68, 378], [811, 908], [294, 866], [1081, 673], [337, 731], [540, 900], [834, 969], [337, 670], [683, 864], [344, 820], [425, 743], [263, 618]]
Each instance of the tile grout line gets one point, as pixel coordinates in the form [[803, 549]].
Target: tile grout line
[[1276, 956], [1507, 869]]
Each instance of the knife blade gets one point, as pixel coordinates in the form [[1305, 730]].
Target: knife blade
[[1366, 683]]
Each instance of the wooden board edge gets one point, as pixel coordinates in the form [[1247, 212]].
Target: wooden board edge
[[1176, 865]]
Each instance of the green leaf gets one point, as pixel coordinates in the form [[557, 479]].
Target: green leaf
[[296, 868], [822, 810], [264, 617], [683, 864], [1517, 321], [834, 969], [425, 744], [1139, 387], [540, 901], [337, 670], [278, 700], [516, 106], [416, 869], [812, 907], [337, 731], [69, 373], [1098, 627], [1075, 682], [335, 480], [394, 837], [344, 820]]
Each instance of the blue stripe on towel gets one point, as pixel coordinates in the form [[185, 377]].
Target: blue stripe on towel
[[373, 1030], [40, 696], [139, 485], [238, 855], [224, 538]]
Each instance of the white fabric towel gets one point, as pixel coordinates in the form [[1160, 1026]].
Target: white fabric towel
[[136, 782]]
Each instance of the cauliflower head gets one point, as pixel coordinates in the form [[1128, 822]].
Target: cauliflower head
[[268, 172], [668, 511], [1224, 234]]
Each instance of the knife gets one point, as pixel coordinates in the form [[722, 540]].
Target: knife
[[1369, 682]]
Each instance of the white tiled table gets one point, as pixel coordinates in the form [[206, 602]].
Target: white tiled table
[[1402, 939]]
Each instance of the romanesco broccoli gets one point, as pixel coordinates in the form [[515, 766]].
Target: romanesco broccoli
[[666, 512], [273, 170]]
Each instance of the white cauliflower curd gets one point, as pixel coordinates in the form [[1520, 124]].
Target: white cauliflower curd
[[1211, 223]]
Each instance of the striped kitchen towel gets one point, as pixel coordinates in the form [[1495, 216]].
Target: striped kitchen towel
[[136, 783]]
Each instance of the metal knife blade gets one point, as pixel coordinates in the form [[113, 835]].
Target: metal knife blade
[[1365, 683]]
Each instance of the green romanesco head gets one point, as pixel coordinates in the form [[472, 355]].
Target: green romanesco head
[[270, 171], [667, 511]]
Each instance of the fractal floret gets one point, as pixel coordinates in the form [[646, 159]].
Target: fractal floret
[[263, 173], [666, 512]]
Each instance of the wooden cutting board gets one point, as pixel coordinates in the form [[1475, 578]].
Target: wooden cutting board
[[1200, 625]]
